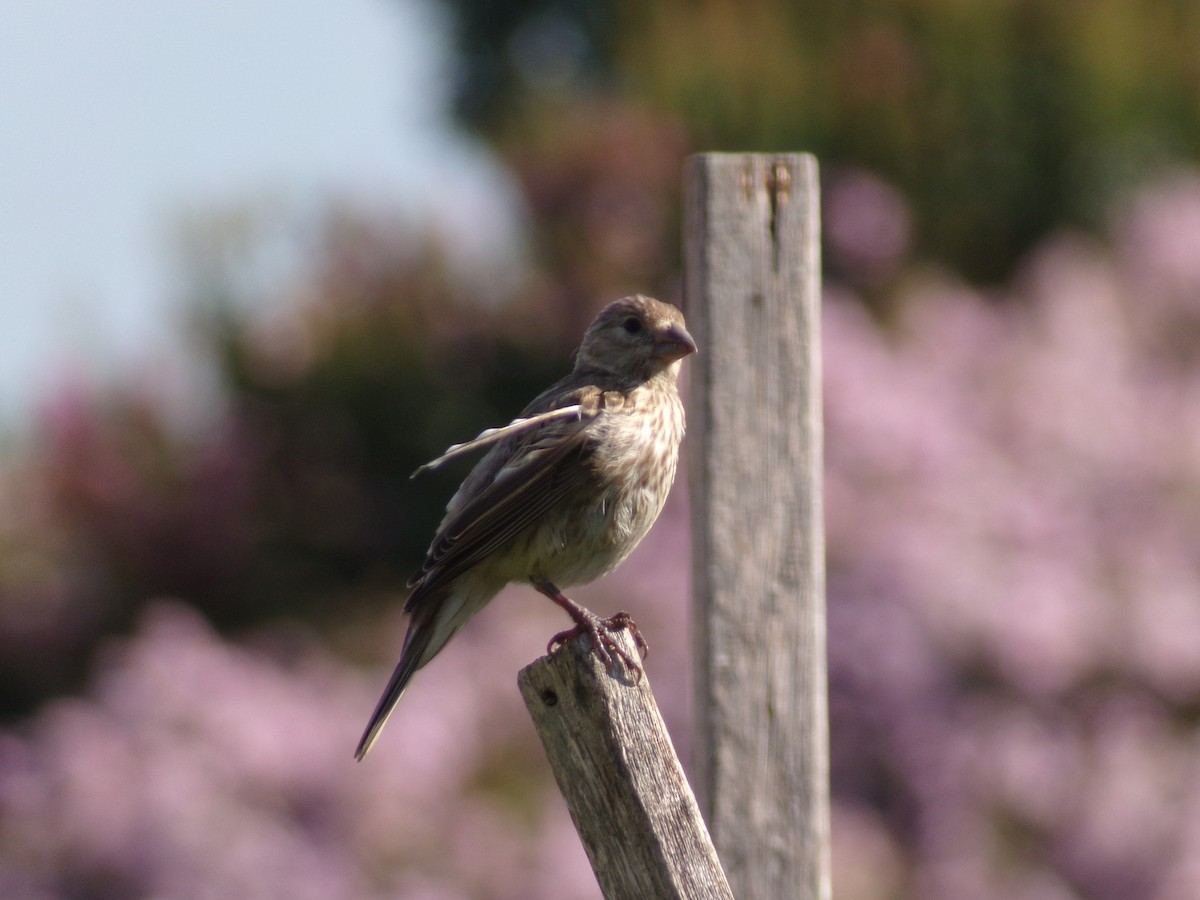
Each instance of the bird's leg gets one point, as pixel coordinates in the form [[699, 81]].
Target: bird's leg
[[598, 629]]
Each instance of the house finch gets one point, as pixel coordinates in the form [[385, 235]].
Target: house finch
[[564, 494]]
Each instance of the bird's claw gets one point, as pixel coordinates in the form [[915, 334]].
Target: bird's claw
[[622, 619], [603, 644]]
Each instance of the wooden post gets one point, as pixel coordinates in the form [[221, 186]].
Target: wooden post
[[752, 287], [623, 784]]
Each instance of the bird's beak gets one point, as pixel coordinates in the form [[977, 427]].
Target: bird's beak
[[673, 343]]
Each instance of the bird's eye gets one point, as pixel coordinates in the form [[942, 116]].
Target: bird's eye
[[632, 325]]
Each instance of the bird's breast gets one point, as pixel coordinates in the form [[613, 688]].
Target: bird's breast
[[630, 458]]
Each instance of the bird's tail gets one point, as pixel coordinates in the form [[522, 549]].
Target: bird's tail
[[435, 619], [415, 644]]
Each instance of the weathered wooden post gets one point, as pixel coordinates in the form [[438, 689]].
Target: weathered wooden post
[[623, 784], [752, 286]]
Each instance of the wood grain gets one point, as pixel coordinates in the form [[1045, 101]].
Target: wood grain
[[621, 779], [752, 288]]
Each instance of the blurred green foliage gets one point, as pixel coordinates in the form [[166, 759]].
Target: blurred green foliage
[[998, 119]]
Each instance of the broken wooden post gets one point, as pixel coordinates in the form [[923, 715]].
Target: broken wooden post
[[622, 781], [752, 288]]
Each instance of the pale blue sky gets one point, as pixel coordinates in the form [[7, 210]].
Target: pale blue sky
[[121, 119]]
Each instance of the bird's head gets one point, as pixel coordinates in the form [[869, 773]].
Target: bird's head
[[635, 337]]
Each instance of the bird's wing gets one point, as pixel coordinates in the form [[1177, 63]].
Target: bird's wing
[[511, 488], [490, 436], [526, 472]]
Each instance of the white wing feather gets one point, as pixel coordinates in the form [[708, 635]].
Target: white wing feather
[[493, 435]]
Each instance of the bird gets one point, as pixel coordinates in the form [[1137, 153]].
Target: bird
[[563, 495]]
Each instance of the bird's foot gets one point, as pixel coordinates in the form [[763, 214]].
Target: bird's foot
[[603, 644]]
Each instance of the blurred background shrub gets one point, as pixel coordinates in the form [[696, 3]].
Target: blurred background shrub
[[194, 622]]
